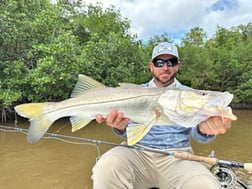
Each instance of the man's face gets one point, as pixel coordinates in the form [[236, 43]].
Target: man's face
[[164, 75]]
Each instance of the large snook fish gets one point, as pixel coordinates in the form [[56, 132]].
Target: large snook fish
[[145, 106]]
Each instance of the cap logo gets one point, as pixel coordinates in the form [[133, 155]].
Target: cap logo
[[165, 48]]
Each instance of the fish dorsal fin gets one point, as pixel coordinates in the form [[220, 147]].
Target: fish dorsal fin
[[84, 84], [129, 85]]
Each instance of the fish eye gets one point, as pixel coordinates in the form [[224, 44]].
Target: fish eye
[[203, 93]]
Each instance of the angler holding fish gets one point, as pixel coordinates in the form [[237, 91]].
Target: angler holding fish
[[162, 114], [127, 168]]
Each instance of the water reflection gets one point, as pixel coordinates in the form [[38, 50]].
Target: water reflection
[[56, 164]]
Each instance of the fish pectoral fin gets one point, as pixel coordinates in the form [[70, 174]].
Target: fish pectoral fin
[[78, 123], [136, 133]]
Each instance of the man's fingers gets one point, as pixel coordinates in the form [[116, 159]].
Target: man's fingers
[[111, 117], [114, 119], [215, 126], [99, 118]]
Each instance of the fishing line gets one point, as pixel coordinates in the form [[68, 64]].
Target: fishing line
[[222, 169], [8, 129], [176, 154]]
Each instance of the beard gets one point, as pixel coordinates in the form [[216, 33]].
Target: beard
[[164, 81]]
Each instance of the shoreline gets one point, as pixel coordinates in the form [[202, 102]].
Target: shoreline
[[241, 106]]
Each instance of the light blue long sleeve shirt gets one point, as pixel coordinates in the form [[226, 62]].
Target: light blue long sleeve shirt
[[163, 136]]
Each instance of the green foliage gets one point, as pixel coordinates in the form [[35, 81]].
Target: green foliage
[[221, 63], [56, 70], [109, 62], [194, 60], [45, 45]]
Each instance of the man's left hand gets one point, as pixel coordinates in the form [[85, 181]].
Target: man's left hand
[[215, 125]]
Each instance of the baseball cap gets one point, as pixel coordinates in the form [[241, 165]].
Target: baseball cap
[[164, 48]]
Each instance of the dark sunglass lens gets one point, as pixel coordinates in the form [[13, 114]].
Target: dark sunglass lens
[[159, 63], [174, 61], [170, 62]]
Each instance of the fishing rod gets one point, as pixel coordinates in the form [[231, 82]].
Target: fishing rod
[[220, 168], [176, 154]]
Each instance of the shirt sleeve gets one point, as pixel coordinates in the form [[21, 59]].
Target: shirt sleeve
[[119, 133], [201, 137], [124, 134]]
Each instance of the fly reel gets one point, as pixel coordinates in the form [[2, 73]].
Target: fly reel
[[225, 175]]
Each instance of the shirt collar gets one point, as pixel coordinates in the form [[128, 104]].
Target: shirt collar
[[175, 84]]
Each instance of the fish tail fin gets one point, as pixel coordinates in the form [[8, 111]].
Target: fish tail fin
[[38, 128], [30, 110], [39, 120], [136, 133]]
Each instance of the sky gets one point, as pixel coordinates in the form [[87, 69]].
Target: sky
[[155, 17]]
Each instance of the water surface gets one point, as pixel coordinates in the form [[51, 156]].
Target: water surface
[[57, 164]]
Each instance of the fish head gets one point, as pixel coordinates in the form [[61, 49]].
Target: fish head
[[203, 99], [186, 103]]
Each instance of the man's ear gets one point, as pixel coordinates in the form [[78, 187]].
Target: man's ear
[[151, 66], [178, 66]]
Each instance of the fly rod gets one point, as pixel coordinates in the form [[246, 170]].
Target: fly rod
[[176, 154]]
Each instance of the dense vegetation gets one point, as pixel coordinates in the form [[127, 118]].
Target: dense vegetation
[[44, 46]]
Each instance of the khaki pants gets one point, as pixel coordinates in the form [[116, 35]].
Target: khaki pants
[[124, 168]]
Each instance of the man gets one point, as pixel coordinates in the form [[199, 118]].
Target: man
[[122, 167]]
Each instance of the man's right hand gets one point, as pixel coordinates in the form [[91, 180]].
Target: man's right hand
[[114, 119]]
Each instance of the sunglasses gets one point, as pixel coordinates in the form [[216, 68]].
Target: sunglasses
[[169, 62]]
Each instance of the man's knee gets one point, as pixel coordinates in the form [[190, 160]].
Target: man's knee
[[107, 165], [111, 172], [202, 181]]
